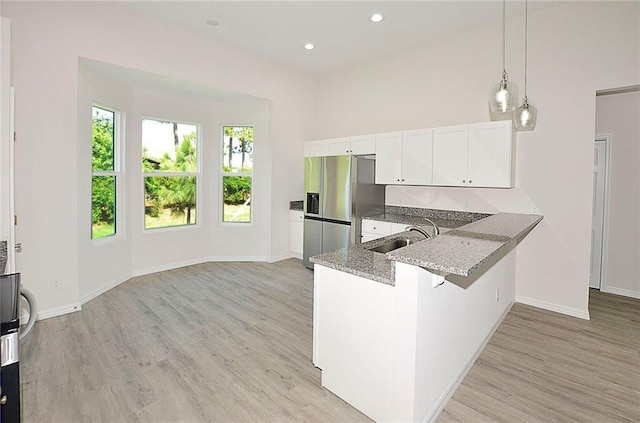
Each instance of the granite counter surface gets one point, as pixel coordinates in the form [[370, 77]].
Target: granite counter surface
[[459, 251], [446, 219]]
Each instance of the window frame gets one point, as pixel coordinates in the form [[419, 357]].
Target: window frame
[[197, 174], [222, 174], [117, 172]]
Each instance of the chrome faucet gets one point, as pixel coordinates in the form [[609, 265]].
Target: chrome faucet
[[418, 229], [436, 229]]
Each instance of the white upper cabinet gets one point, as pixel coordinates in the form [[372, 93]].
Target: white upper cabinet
[[417, 157], [491, 155], [364, 144], [477, 155], [404, 158], [450, 155], [338, 146], [389, 158], [315, 148]]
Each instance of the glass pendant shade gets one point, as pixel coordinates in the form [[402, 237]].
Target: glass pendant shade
[[503, 97], [525, 117]]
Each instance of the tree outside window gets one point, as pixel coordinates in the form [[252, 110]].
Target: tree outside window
[[170, 169], [104, 173], [237, 173]]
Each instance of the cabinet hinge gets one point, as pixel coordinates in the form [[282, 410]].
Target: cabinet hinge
[[15, 136], [15, 219]]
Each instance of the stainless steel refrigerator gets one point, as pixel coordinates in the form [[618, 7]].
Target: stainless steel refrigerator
[[339, 190]]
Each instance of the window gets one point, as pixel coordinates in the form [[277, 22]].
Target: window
[[170, 170], [237, 173], [104, 172]]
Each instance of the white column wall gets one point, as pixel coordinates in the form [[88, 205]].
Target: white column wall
[[571, 55]]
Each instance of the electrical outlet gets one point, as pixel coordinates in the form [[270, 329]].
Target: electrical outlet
[[497, 295], [55, 283]]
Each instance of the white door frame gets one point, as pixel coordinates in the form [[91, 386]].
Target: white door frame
[[605, 224]]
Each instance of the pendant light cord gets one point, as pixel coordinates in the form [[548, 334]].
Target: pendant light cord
[[504, 32], [526, 37]]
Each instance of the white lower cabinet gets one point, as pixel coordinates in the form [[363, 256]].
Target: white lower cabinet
[[374, 229], [296, 235]]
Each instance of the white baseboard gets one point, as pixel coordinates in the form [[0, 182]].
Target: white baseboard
[[444, 399], [170, 266], [622, 291], [281, 257], [58, 311], [104, 288], [574, 312], [239, 258]]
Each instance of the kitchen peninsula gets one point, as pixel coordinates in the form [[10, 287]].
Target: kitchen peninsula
[[395, 333]]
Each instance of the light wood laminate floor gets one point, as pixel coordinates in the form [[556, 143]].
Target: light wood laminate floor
[[542, 366], [232, 342]]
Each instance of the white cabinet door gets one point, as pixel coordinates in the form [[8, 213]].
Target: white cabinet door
[[374, 229], [338, 146], [315, 148], [417, 157], [368, 236], [296, 236], [396, 228], [450, 155], [389, 158], [491, 154], [365, 144]]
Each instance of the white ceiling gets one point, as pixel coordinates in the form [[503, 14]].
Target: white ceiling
[[340, 30]]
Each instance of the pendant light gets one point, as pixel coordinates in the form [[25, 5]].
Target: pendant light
[[504, 95], [525, 115]]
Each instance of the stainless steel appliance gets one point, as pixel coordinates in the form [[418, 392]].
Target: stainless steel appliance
[[10, 371], [339, 190]]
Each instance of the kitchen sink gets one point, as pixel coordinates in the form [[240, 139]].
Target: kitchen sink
[[391, 245]]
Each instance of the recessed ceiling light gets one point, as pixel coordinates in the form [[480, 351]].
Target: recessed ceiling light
[[376, 18], [212, 22], [309, 46]]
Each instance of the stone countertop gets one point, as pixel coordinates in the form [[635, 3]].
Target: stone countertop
[[459, 251], [415, 216], [462, 250]]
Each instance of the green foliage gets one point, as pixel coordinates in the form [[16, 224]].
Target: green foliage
[[103, 188], [240, 141], [177, 193], [237, 189], [102, 146]]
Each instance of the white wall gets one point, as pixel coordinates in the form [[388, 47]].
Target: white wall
[[105, 262], [48, 39], [6, 220], [617, 114], [572, 53]]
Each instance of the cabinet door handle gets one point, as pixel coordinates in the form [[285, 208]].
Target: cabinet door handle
[[470, 181], [464, 181]]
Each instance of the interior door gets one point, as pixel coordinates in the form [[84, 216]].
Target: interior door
[[599, 186]]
